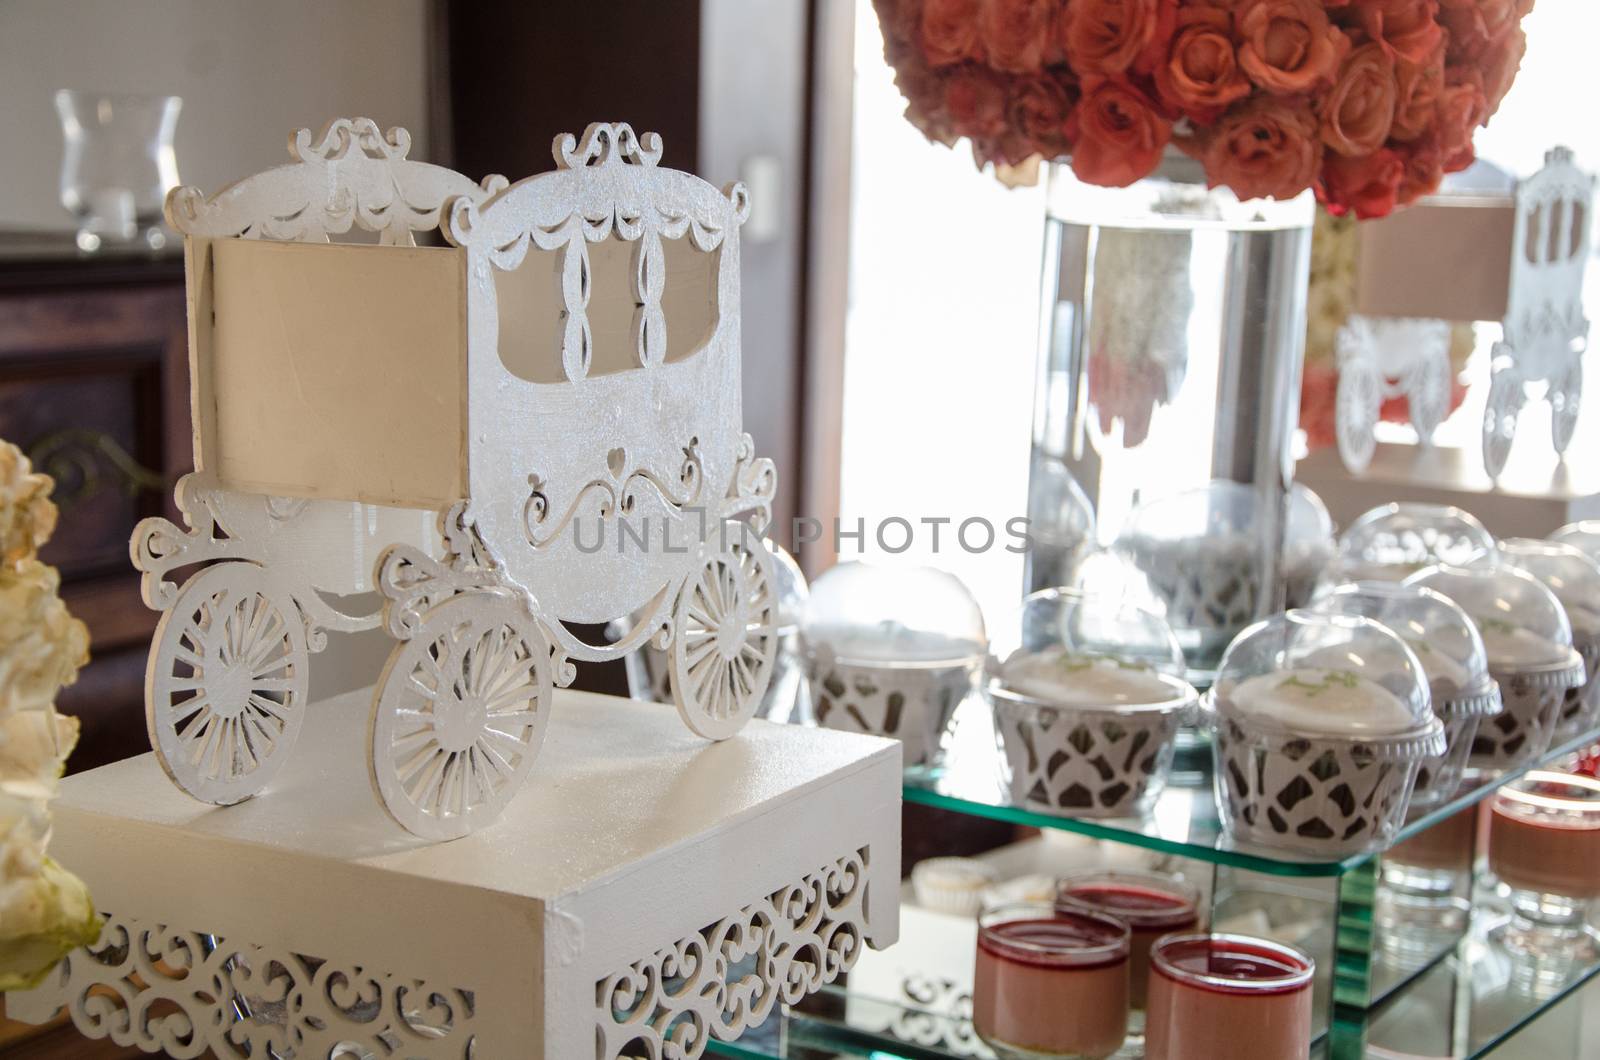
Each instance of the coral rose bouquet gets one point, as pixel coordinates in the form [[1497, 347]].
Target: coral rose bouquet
[[1370, 102]]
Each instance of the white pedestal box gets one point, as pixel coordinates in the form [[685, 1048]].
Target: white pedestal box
[[645, 892]]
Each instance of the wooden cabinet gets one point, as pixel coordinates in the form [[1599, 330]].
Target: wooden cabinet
[[94, 387]]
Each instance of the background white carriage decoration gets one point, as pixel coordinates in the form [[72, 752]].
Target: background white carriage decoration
[[1385, 357], [1546, 331], [396, 419]]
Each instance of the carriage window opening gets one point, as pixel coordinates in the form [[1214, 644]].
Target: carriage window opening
[[532, 318], [1530, 245], [1575, 235], [1557, 214]]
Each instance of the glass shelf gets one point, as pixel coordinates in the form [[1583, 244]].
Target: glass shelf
[[1184, 820], [1464, 1007]]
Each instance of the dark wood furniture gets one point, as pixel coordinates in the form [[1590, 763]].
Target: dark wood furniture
[[94, 387]]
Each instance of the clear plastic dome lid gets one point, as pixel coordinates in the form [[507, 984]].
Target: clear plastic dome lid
[[1310, 674], [886, 616], [1566, 571], [1584, 536], [1081, 649], [1394, 541], [793, 592], [1219, 513], [1523, 625], [1440, 634]]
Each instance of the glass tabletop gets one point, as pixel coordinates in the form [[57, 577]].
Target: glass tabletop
[[1184, 821], [1477, 1000]]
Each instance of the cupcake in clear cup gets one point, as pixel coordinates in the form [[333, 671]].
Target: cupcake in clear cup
[[1087, 708], [1205, 556], [1320, 723], [1529, 644], [1446, 643], [1393, 541], [892, 651], [1568, 572]]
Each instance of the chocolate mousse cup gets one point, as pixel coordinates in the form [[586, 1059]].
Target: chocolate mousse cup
[[1151, 905], [1050, 985], [1544, 844], [1215, 996]]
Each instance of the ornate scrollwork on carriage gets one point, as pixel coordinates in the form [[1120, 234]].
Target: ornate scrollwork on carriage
[[349, 175], [159, 546]]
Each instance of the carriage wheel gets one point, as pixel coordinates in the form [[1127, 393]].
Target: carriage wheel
[[725, 637], [1356, 405], [225, 689], [460, 715], [1500, 420], [1566, 400]]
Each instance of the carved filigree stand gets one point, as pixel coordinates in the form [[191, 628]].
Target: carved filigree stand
[[643, 894]]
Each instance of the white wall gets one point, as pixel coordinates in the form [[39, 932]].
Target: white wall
[[249, 72]]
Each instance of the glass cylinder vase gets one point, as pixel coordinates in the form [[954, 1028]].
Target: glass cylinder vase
[[1171, 343]]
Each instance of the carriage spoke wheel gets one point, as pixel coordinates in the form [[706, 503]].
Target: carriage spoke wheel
[[225, 689], [460, 715], [725, 638]]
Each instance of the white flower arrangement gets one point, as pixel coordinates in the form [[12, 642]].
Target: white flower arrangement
[[45, 911]]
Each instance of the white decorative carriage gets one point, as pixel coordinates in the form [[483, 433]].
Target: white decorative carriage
[[1546, 331], [1386, 357], [494, 458]]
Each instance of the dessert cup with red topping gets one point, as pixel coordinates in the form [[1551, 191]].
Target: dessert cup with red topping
[[1151, 905], [1049, 984], [1215, 996], [1544, 844], [1321, 722]]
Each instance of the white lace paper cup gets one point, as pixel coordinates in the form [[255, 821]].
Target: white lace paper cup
[[1439, 778], [1323, 796], [1524, 729], [909, 703], [1580, 706], [1076, 761]]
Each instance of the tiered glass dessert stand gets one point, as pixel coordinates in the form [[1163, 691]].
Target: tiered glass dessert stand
[[1459, 993]]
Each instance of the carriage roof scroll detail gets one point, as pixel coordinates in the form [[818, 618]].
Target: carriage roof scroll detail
[[350, 175]]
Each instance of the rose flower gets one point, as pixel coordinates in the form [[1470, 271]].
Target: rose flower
[[1358, 110], [1110, 37], [1016, 34], [1369, 185], [1119, 136], [1201, 75], [1407, 29], [1288, 46], [950, 31], [1264, 147], [1417, 88]]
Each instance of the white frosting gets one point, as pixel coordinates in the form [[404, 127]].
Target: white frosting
[[1313, 701], [891, 642], [1447, 677], [1082, 681], [1510, 647]]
